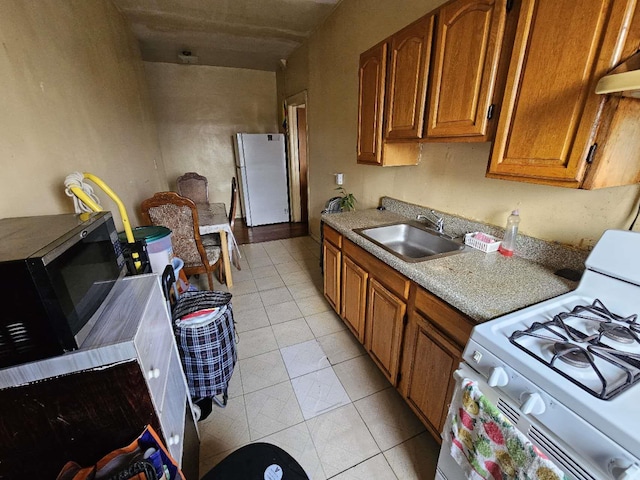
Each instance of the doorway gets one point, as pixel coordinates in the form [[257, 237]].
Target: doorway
[[298, 156]]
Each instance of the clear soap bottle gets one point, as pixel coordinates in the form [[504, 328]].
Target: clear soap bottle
[[508, 244]]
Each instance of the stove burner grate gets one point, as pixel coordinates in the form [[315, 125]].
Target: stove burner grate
[[579, 349]]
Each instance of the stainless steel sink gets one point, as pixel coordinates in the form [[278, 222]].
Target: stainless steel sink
[[411, 241]]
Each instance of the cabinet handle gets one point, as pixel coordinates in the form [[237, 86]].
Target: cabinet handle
[[490, 111], [174, 439], [153, 373], [592, 153]]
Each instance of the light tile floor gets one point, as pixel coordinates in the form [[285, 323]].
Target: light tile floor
[[304, 383]]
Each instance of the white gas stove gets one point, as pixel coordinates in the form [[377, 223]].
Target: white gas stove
[[567, 371]]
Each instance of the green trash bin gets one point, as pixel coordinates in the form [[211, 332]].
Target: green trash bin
[[159, 245]]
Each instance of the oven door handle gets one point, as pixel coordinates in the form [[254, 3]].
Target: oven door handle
[[464, 371]]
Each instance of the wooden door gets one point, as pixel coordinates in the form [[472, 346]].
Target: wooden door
[[428, 380], [354, 297], [410, 52], [301, 118], [465, 68], [373, 68], [384, 327], [550, 113], [331, 264]]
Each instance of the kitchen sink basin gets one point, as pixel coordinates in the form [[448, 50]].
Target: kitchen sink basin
[[411, 241]]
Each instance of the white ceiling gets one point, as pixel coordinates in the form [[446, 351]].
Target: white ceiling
[[253, 34]]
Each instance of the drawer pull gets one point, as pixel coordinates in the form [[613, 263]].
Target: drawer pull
[[153, 373], [174, 439]]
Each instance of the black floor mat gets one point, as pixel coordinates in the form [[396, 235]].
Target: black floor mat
[[257, 461]]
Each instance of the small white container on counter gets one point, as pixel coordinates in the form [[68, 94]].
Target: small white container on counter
[[482, 241]]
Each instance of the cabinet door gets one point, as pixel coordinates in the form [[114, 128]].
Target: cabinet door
[[464, 68], [172, 416], [384, 327], [410, 52], [331, 263], [354, 297], [154, 338], [550, 113], [80, 416], [373, 67], [431, 361]]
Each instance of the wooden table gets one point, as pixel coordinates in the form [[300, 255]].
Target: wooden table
[[213, 219]]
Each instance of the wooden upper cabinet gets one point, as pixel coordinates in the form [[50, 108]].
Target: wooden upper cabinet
[[410, 52], [465, 69], [552, 125], [372, 75]]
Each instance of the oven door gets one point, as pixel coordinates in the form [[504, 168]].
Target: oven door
[[448, 468]]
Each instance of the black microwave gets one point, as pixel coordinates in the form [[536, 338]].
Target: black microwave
[[55, 273]]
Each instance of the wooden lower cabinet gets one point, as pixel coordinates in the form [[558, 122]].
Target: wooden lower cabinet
[[434, 341], [331, 257], [384, 328], [354, 297], [428, 381], [415, 338]]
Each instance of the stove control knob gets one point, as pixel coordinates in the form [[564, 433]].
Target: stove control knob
[[621, 470], [533, 404], [498, 377]]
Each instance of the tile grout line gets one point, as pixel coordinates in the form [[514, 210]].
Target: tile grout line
[[316, 338]]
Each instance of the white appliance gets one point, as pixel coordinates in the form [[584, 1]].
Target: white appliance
[[566, 371], [623, 80], [262, 174]]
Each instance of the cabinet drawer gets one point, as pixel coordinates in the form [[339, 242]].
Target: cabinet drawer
[[386, 275], [173, 408], [332, 236], [451, 322], [154, 343]]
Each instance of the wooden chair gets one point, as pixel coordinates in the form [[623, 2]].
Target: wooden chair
[[193, 186], [180, 215], [214, 238]]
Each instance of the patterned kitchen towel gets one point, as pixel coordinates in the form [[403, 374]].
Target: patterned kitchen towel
[[487, 446]]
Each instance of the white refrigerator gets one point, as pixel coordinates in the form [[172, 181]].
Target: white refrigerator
[[262, 174]]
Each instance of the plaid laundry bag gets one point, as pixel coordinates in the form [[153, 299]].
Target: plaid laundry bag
[[205, 334]]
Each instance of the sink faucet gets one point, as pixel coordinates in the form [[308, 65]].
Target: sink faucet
[[436, 221]]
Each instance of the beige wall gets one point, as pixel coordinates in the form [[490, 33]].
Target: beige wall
[[74, 98], [199, 109], [450, 177]]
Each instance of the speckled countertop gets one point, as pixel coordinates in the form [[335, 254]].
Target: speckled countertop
[[482, 285]]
